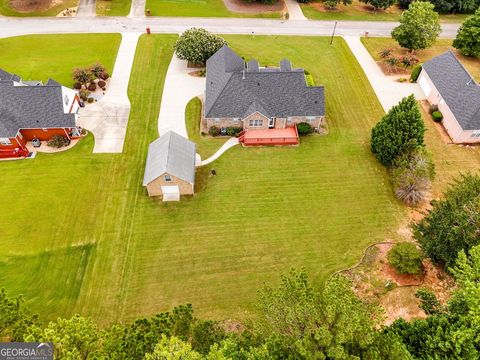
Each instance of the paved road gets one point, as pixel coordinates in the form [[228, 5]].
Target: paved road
[[21, 26]]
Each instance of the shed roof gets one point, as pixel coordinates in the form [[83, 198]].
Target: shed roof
[[457, 87], [173, 154]]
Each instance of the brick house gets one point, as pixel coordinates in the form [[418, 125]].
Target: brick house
[[447, 84], [170, 167], [251, 97], [31, 110]]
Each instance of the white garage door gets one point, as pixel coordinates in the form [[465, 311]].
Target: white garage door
[[171, 193], [425, 86]]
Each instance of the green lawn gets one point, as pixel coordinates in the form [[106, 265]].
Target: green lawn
[[112, 7], [198, 8], [7, 10], [359, 11], [39, 57], [375, 45]]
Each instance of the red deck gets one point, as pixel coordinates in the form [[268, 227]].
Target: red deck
[[287, 136]]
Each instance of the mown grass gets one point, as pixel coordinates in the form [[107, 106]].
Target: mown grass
[[112, 7], [84, 237], [359, 11], [7, 10], [375, 45], [40, 57], [199, 8], [206, 146]]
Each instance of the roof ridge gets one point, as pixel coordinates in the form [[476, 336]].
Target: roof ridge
[[449, 51], [221, 91]]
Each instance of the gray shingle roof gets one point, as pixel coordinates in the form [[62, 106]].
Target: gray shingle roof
[[457, 87], [173, 154], [275, 92], [6, 76], [25, 107]]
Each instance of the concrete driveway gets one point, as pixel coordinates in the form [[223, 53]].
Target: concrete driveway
[[178, 90], [86, 8], [108, 118], [389, 91]]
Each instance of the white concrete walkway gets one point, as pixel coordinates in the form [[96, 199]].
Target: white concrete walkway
[[294, 10], [86, 8], [108, 118], [179, 89], [389, 91], [137, 8], [227, 145]]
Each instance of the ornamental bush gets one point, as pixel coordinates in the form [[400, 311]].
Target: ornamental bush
[[77, 85], [92, 86], [214, 131], [405, 258], [437, 116], [97, 70], [304, 128], [58, 141], [233, 131], [416, 73], [101, 84], [197, 45], [399, 132]]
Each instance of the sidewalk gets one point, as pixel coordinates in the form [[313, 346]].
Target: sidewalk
[[108, 118], [389, 91], [228, 144], [137, 8], [294, 10], [86, 8]]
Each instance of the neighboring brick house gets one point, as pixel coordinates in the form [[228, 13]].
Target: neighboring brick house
[[252, 97], [29, 110], [170, 167], [447, 84]]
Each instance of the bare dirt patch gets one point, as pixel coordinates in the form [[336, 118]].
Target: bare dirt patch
[[26, 6], [241, 6], [355, 7]]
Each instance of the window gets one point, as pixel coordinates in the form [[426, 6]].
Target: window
[[476, 134], [5, 141], [167, 178], [289, 120], [66, 100], [216, 120], [310, 119], [44, 129], [236, 119], [255, 123]]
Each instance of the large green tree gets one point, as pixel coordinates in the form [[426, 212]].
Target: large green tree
[[380, 4], [419, 26], [197, 45], [15, 317], [333, 3], [172, 349], [468, 36], [453, 223], [399, 132]]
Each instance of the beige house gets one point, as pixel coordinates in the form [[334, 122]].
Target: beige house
[[447, 84], [170, 167], [247, 96]]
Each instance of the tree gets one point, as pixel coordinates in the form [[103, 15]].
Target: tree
[[333, 3], [15, 318], [74, 338], [172, 349], [429, 302], [455, 6], [453, 224], [197, 45], [405, 258], [468, 36], [399, 132], [298, 320], [380, 4], [419, 26], [82, 75]]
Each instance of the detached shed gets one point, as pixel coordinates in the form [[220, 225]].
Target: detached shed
[[170, 167]]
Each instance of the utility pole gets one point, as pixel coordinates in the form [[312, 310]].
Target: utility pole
[[333, 33]]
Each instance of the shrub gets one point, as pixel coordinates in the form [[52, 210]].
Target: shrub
[[405, 258], [468, 36], [416, 73], [429, 302], [399, 132], [411, 176], [437, 116], [304, 128], [452, 224], [84, 94], [92, 86], [197, 45], [309, 80], [58, 141], [77, 85], [404, 4], [103, 76], [97, 70], [385, 53], [101, 84], [90, 100], [433, 108], [233, 131], [410, 60], [82, 75], [392, 61], [214, 131]]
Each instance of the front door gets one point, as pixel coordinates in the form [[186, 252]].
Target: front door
[[271, 123]]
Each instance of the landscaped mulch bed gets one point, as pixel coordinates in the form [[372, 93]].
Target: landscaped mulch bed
[[26, 6], [244, 7]]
